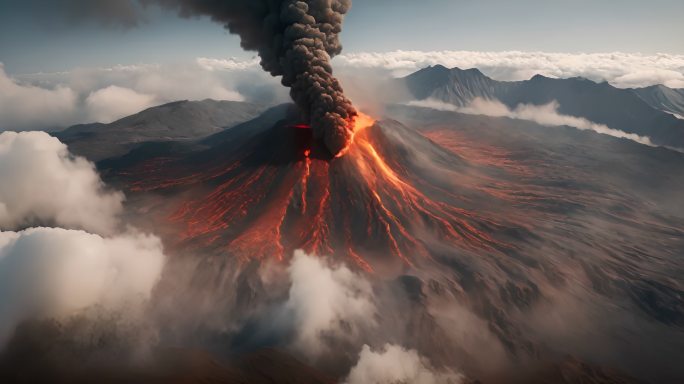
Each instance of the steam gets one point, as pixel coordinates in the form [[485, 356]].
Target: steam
[[295, 40], [325, 300], [547, 115], [394, 364]]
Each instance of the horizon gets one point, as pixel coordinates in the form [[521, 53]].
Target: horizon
[[61, 39]]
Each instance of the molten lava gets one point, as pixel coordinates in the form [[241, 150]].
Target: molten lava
[[360, 122], [266, 194]]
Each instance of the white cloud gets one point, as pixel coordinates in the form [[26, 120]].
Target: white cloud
[[50, 100], [59, 272], [620, 69], [436, 104], [325, 300], [547, 115], [183, 83], [111, 103], [396, 365], [229, 64], [43, 184], [640, 78], [55, 100], [56, 273], [26, 107]]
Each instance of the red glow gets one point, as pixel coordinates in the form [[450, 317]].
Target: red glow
[[301, 126]]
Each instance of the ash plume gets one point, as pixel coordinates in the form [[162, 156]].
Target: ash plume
[[295, 40]]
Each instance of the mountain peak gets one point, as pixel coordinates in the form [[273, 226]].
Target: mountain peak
[[539, 77], [438, 67], [470, 71]]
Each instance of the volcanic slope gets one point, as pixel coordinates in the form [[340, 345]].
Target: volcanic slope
[[504, 217], [265, 191]]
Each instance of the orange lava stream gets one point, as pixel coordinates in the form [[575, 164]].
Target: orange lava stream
[[305, 178], [411, 202], [360, 122]]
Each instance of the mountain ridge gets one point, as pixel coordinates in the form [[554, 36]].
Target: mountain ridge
[[623, 109], [176, 121]]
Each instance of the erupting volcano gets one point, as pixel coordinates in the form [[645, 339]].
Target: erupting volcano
[[387, 200]]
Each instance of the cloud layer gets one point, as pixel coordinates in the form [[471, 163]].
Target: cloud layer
[[547, 115], [104, 94], [623, 70], [46, 101]]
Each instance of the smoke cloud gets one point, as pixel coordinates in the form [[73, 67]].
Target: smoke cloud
[[547, 115], [42, 184], [295, 40], [394, 364]]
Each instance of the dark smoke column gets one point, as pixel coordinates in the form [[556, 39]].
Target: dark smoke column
[[295, 40]]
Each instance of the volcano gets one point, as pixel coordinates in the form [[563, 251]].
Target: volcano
[[388, 202], [518, 223]]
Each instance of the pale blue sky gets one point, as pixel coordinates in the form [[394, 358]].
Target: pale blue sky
[[31, 41]]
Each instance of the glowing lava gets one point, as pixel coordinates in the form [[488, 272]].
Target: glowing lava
[[267, 194], [360, 122]]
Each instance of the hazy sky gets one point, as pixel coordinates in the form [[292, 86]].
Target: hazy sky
[[32, 38]]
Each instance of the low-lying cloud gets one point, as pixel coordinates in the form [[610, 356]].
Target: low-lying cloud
[[623, 70], [393, 364], [25, 106], [50, 267], [57, 273], [49, 101], [547, 115], [43, 184], [111, 103]]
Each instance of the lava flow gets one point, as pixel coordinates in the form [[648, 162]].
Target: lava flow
[[267, 192]]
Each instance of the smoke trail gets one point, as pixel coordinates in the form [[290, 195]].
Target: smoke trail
[[295, 40]]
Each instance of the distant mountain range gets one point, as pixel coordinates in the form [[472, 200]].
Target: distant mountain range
[[663, 98], [646, 111], [177, 121]]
